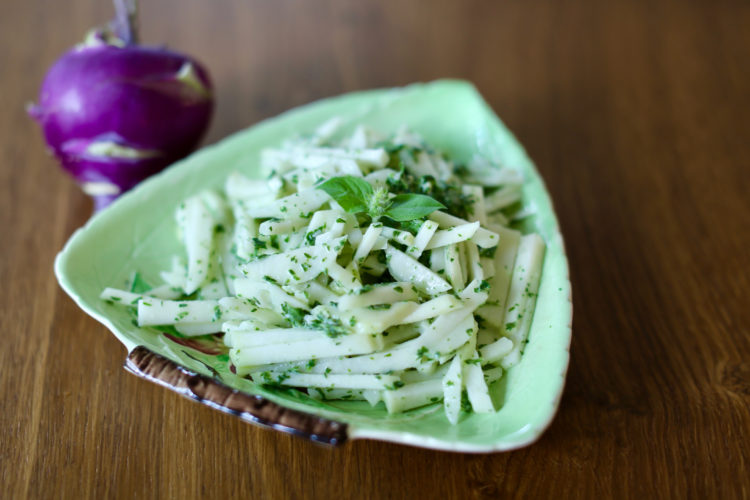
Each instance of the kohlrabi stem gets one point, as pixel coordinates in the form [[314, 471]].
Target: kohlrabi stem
[[125, 23]]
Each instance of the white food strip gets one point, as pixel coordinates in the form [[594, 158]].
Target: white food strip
[[413, 395], [306, 349], [482, 237], [168, 312], [505, 256], [376, 382], [502, 198], [368, 241], [476, 387], [478, 211], [294, 266], [424, 235], [453, 235], [197, 230], [380, 294], [366, 320], [405, 268], [403, 237], [268, 294], [250, 338], [294, 205], [453, 270], [519, 311], [452, 384], [432, 308], [239, 187], [496, 351]]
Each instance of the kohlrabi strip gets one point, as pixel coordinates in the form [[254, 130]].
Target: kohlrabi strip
[[358, 269]]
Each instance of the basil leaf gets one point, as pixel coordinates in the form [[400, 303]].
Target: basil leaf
[[405, 207], [352, 193]]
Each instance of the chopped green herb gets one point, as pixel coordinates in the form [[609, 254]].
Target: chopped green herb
[[483, 287], [310, 236], [294, 315], [323, 320], [138, 284], [274, 241], [423, 354], [488, 252], [379, 307]]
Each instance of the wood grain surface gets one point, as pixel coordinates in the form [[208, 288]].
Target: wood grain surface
[[637, 114]]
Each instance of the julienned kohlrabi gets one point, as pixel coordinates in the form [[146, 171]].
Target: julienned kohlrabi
[[114, 112]]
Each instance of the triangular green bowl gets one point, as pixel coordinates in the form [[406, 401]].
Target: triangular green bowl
[[137, 233]]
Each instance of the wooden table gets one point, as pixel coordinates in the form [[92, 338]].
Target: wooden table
[[637, 114]]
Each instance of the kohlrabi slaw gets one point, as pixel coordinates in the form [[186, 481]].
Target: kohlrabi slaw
[[365, 268]]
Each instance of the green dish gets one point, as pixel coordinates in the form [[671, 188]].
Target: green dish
[[137, 233]]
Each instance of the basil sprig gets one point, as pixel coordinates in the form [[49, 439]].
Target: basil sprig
[[357, 196]]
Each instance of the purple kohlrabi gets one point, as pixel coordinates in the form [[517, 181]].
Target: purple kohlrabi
[[114, 112]]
